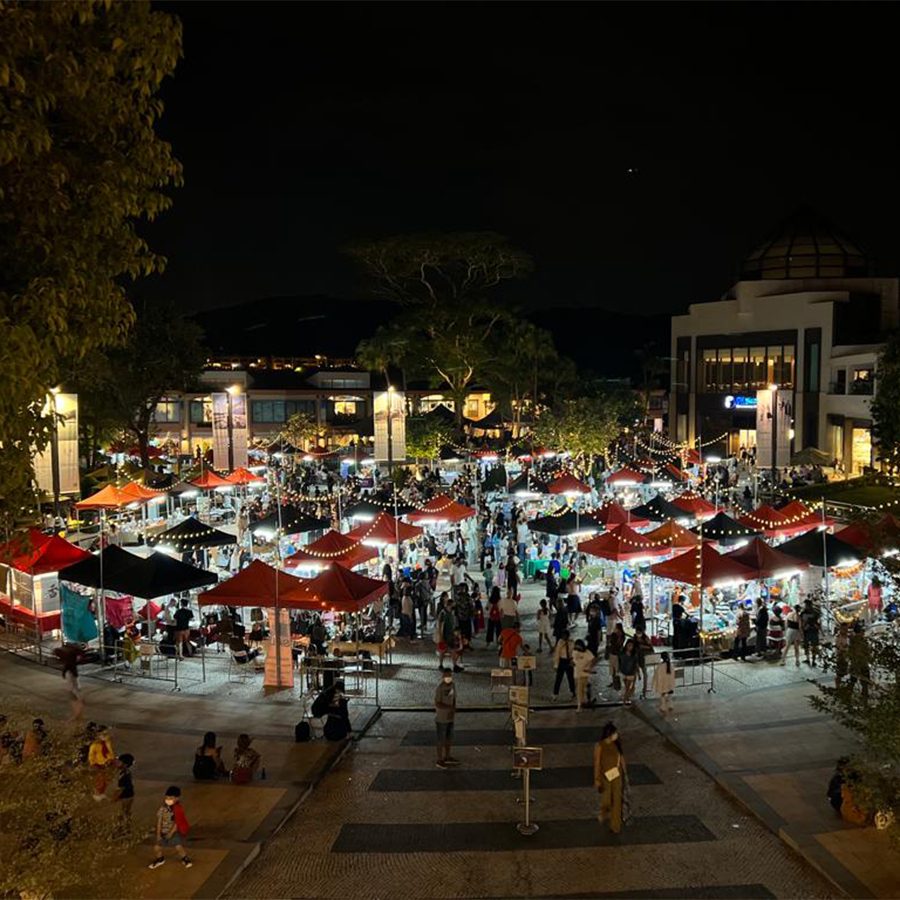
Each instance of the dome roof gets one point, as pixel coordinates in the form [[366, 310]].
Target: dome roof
[[805, 246]]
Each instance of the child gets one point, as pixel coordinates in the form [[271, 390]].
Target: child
[[125, 785], [479, 613], [171, 829], [664, 683], [543, 626]]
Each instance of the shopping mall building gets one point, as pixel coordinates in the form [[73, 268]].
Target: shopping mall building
[[806, 316]]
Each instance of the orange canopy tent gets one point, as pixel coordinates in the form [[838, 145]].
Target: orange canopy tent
[[441, 509], [766, 561], [771, 521], [37, 553], [695, 505], [242, 476], [109, 497], [257, 585], [677, 536], [621, 544], [384, 529], [332, 547], [612, 514], [208, 481], [625, 476], [140, 493], [569, 485], [709, 569], [337, 588]]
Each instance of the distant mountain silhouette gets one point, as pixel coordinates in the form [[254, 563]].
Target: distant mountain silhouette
[[599, 341]]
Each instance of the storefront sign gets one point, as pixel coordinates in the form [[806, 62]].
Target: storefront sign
[[740, 401]]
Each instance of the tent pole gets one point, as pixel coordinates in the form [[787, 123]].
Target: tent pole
[[101, 609], [825, 553]]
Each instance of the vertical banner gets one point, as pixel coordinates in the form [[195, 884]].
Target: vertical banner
[[271, 676], [239, 435], [220, 431], [67, 444], [391, 403], [770, 420]]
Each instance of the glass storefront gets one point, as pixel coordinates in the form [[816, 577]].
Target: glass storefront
[[862, 449], [736, 370]]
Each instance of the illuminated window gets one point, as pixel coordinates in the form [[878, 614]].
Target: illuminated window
[[863, 381], [862, 449], [757, 368], [168, 411], [345, 407], [201, 411]]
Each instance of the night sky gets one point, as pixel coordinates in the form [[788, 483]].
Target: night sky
[[637, 152]]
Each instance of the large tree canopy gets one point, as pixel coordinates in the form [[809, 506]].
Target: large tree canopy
[[886, 404], [80, 165]]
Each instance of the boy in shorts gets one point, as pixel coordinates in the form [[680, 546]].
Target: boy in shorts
[[171, 829]]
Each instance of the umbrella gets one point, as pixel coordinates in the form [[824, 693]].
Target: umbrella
[[862, 535], [368, 509], [659, 509], [724, 530], [140, 493], [704, 566], [821, 549], [810, 456], [208, 481], [192, 534], [115, 561], [524, 484]]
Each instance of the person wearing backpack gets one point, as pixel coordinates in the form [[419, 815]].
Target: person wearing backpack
[[171, 829]]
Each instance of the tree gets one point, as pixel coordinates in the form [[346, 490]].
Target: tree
[[446, 283], [299, 429], [50, 832], [425, 435], [886, 404], [652, 367], [164, 353], [871, 710], [80, 165], [388, 347], [588, 426]]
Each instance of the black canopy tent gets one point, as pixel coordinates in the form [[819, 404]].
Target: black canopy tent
[[293, 521], [821, 549], [659, 509], [722, 529], [96, 572], [565, 524], [523, 484], [192, 534], [366, 509]]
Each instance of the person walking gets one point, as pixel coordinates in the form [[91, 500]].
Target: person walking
[[628, 669], [644, 648], [792, 636], [512, 577], [183, 617], [101, 759], [874, 600], [494, 623], [444, 714], [171, 829], [72, 686], [664, 683], [543, 626], [562, 659], [762, 627], [609, 777], [742, 634], [810, 627], [615, 641], [583, 662]]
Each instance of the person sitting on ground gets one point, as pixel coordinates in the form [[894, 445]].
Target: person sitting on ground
[[35, 740], [246, 760], [337, 715], [834, 794], [208, 763]]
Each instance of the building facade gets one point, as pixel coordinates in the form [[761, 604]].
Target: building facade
[[806, 317]]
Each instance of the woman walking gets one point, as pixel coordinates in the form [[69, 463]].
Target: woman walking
[[543, 626], [615, 641], [609, 777], [494, 616], [563, 660], [628, 669]]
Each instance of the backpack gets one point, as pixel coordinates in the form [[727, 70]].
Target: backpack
[[302, 732]]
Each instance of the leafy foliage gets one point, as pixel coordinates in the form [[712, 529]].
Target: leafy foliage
[[873, 715], [50, 829], [80, 165], [425, 435], [299, 429], [886, 404]]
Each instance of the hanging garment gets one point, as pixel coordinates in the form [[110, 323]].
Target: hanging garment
[[119, 610], [78, 623]]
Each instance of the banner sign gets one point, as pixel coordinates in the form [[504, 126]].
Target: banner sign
[[220, 431], [767, 426], [391, 403], [67, 444], [239, 433]]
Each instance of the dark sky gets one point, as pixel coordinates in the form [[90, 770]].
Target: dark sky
[[304, 126]]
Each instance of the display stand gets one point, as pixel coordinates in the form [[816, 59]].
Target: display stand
[[525, 759]]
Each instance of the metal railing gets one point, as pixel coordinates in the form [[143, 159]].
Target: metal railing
[[694, 668], [359, 674]]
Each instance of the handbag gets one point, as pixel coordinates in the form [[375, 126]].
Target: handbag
[[617, 682], [652, 659]]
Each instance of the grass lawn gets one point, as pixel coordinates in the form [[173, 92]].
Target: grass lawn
[[857, 490]]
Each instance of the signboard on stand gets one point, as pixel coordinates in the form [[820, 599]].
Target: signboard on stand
[[283, 667]]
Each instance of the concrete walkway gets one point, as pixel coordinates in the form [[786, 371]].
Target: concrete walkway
[[228, 822], [769, 749]]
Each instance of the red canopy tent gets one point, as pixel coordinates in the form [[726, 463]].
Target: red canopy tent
[[861, 534], [568, 484], [766, 561], [675, 535], [692, 457], [714, 570], [208, 481], [771, 521], [674, 472], [625, 476], [441, 509], [257, 585], [696, 505], [242, 476], [798, 509], [384, 529], [621, 544], [339, 589], [612, 514], [37, 553], [109, 497], [332, 547]]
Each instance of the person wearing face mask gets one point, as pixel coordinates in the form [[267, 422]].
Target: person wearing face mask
[[444, 713]]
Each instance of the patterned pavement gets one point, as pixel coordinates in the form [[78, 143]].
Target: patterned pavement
[[362, 834]]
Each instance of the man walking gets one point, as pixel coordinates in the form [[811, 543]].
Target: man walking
[[444, 713]]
